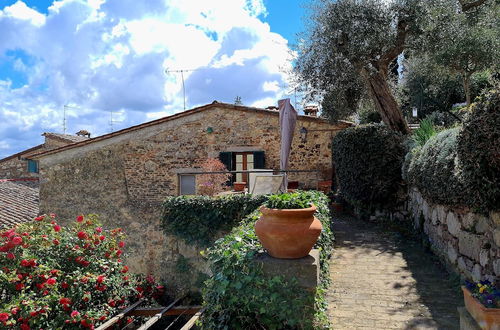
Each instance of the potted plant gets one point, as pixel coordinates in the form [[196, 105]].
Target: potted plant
[[482, 301], [287, 227], [239, 186]]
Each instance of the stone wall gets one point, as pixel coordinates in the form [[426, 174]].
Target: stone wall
[[125, 178], [17, 166], [467, 242]]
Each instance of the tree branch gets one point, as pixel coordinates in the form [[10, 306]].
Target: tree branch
[[466, 6], [399, 46]]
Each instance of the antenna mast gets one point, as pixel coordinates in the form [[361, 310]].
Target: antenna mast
[[167, 71], [66, 106]]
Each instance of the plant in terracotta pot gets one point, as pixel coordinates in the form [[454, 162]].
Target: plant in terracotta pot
[[287, 227], [482, 301]]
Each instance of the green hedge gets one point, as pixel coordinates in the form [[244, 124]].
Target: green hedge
[[479, 152], [368, 163], [434, 169], [239, 296], [461, 166], [198, 219]]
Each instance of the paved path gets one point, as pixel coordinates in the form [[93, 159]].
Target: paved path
[[381, 280]]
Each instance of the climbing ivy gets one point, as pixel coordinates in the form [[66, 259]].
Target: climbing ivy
[[199, 219], [239, 296]]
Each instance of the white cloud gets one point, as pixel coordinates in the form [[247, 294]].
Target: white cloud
[[111, 55]]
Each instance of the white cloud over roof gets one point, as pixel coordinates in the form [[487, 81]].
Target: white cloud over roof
[[102, 56]]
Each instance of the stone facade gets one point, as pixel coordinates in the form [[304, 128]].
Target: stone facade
[[125, 176], [16, 166], [467, 242]]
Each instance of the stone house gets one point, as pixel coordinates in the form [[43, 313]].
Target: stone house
[[20, 165], [124, 176]]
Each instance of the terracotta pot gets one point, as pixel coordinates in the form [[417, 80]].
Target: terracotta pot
[[287, 233], [486, 318], [325, 186], [239, 186]]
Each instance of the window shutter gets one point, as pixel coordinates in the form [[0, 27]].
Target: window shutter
[[32, 166], [227, 159], [259, 160]]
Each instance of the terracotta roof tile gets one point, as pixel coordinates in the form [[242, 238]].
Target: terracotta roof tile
[[18, 201], [66, 137]]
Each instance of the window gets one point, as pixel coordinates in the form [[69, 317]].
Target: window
[[187, 185], [32, 166], [240, 161]]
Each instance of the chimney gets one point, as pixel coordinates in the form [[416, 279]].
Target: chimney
[[311, 110]]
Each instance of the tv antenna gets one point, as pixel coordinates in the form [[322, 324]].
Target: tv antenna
[[167, 71], [66, 106], [111, 121]]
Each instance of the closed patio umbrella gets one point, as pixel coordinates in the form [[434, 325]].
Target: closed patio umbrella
[[288, 118]]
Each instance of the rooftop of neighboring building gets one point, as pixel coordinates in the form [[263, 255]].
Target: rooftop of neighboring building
[[19, 200]]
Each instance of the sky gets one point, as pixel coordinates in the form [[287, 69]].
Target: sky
[[104, 65]]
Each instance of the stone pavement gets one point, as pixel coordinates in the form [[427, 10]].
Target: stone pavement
[[381, 280]]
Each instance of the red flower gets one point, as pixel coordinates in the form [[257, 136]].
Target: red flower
[[100, 278], [4, 317], [55, 242], [14, 310], [24, 326], [121, 244], [124, 269], [100, 287], [17, 240], [54, 272], [64, 285], [57, 228], [19, 286], [33, 314], [52, 215], [82, 235], [118, 253], [85, 263], [10, 256], [40, 218], [79, 218], [102, 237], [85, 324], [74, 314], [51, 281], [25, 263], [65, 301], [111, 303], [99, 230]]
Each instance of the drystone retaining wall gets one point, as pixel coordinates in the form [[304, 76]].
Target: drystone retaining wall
[[467, 243]]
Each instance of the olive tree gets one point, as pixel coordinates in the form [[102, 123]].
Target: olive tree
[[348, 49]]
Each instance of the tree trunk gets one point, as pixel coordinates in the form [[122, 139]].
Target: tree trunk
[[466, 83], [384, 101]]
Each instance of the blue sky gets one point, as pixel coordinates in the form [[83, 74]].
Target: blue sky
[[106, 61]]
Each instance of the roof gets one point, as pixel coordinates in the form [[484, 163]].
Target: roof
[[19, 154], [214, 104], [65, 137], [18, 201]]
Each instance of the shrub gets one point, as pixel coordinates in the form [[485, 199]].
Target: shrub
[[368, 162], [296, 200], [435, 171], [424, 132], [369, 116], [53, 277], [239, 296], [479, 152], [212, 184], [444, 119], [198, 219]]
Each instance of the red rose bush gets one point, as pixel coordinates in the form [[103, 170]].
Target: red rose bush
[[53, 277]]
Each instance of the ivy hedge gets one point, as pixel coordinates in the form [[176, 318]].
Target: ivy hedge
[[199, 219], [368, 161], [239, 296], [461, 166]]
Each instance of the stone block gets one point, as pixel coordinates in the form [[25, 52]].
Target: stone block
[[482, 225], [483, 257], [305, 270], [453, 223], [495, 217], [496, 237], [467, 322], [434, 217], [469, 220], [469, 245], [496, 267], [441, 213], [476, 273], [452, 253]]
